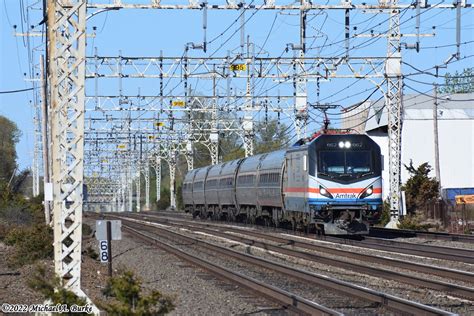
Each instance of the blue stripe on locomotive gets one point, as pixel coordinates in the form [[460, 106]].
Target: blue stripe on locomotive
[[374, 203]]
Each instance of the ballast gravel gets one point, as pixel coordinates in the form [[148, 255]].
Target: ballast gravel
[[195, 291], [422, 295]]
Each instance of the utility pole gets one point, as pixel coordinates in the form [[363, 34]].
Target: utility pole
[[158, 177], [435, 135], [394, 105], [172, 166], [66, 33], [138, 187], [45, 141], [301, 107], [36, 151], [247, 125], [214, 135], [147, 184]]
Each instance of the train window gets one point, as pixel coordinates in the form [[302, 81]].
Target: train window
[[345, 162], [211, 183], [332, 162], [198, 185], [248, 179], [358, 161], [277, 177]]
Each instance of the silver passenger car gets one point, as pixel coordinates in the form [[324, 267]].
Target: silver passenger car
[[212, 185], [269, 189], [226, 184], [188, 189], [246, 188], [198, 186]]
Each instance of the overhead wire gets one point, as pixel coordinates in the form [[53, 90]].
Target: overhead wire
[[230, 25], [432, 97], [16, 91], [277, 58], [6, 13]]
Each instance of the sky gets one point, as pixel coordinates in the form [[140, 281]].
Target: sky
[[148, 32]]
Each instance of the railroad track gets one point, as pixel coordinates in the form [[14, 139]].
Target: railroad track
[[395, 233], [288, 300], [388, 301], [360, 268], [384, 273], [436, 252], [453, 254]]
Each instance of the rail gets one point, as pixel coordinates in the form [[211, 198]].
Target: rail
[[387, 300], [288, 300], [395, 233]]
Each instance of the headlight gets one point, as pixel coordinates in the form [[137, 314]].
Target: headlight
[[324, 192], [367, 192]]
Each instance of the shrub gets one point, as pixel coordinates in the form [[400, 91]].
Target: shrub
[[49, 286], [129, 299], [164, 201], [4, 230], [86, 230], [30, 244], [411, 222], [90, 252], [420, 189], [385, 217], [14, 209]]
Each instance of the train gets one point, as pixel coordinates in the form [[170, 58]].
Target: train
[[329, 183]]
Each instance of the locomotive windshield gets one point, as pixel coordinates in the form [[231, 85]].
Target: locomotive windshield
[[346, 158], [345, 163]]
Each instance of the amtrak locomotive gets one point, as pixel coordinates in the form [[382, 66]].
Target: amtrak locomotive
[[331, 182]]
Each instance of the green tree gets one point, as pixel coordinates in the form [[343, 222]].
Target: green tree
[[270, 136], [231, 147], [459, 82], [9, 136], [420, 189]]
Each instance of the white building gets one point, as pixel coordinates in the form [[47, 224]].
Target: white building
[[455, 134]]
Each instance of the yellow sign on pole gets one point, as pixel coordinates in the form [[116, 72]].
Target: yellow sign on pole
[[465, 199], [122, 146], [238, 67], [150, 137], [159, 124], [177, 103]]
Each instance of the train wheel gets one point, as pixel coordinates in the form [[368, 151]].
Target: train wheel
[[320, 230], [306, 229], [252, 219], [293, 225], [266, 222], [273, 224]]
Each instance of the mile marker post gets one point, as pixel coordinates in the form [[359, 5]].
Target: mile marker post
[[109, 243]]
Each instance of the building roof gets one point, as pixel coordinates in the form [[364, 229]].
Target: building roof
[[420, 107]]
